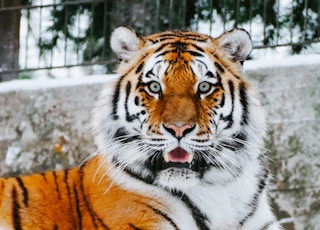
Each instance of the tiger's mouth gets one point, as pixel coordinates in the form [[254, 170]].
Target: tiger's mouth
[[178, 155], [178, 158]]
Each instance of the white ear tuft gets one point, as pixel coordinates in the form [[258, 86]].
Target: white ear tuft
[[236, 43], [124, 42]]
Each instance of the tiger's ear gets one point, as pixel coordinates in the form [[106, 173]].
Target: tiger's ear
[[236, 43], [124, 42]]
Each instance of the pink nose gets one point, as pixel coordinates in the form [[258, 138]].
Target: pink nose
[[178, 130]]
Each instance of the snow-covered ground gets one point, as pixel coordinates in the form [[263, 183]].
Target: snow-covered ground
[[282, 61], [36, 84]]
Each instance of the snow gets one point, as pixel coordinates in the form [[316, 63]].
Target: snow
[[36, 84], [12, 155], [283, 61]]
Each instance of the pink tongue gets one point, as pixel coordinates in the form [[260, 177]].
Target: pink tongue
[[178, 155]]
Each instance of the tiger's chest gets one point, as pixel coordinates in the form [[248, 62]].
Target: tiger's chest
[[205, 206]]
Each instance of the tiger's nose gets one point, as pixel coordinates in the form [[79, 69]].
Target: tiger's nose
[[179, 130]]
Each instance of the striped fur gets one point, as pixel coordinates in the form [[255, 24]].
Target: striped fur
[[180, 145]]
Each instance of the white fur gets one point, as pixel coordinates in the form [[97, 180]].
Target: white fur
[[124, 42], [237, 44]]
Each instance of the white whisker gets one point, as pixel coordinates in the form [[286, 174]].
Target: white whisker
[[103, 163]]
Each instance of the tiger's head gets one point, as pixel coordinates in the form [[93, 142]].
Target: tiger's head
[[180, 113]]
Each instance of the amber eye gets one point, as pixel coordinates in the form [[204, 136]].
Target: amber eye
[[154, 87], [204, 87]]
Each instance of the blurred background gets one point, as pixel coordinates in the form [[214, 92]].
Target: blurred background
[[55, 57], [60, 38]]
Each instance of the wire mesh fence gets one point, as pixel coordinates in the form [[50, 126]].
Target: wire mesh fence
[[40, 37]]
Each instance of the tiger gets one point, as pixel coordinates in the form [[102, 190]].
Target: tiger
[[180, 135]]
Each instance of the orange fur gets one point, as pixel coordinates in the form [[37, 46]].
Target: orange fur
[[70, 199]]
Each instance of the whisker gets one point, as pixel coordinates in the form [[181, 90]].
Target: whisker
[[87, 159], [103, 163], [223, 164], [241, 141], [120, 166]]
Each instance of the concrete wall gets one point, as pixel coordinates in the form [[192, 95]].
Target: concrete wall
[[45, 126], [291, 96]]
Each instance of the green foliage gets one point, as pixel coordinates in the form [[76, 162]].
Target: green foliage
[[64, 19], [144, 16], [24, 75], [305, 16], [241, 12], [148, 16]]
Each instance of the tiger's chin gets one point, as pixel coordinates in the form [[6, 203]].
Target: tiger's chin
[[175, 178]]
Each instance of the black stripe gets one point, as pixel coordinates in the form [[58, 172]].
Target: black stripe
[[149, 74], [140, 83], [79, 215], [209, 74], [254, 202], [219, 79], [167, 36], [122, 135], [44, 177], [134, 227], [197, 47], [219, 84], [92, 214], [222, 100], [1, 188], [55, 227], [66, 182], [129, 117], [178, 46], [2, 184], [24, 191], [160, 48], [236, 76], [174, 38], [165, 216], [194, 38], [187, 35], [219, 67], [140, 67], [136, 101], [95, 218], [200, 218], [147, 179], [56, 184], [15, 210], [229, 118], [237, 143], [194, 53], [164, 53], [115, 100], [267, 225], [244, 102]]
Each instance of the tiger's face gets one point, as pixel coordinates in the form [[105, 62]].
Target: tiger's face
[[180, 114]]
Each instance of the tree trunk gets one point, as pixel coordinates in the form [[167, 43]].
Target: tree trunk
[[9, 39]]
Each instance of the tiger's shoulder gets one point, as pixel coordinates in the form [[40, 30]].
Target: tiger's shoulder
[[79, 198]]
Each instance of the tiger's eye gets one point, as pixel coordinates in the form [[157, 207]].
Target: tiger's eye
[[204, 87], [154, 87]]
